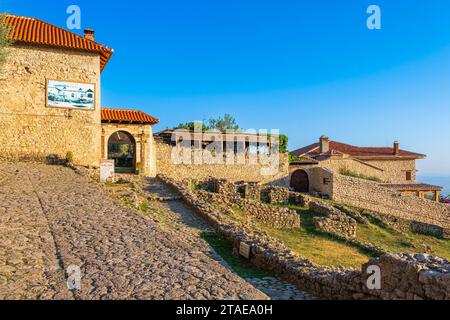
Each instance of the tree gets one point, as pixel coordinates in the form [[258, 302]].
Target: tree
[[221, 124], [4, 39], [191, 126], [283, 143]]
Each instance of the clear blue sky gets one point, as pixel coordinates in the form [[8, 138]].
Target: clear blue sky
[[305, 67]]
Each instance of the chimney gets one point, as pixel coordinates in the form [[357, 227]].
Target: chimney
[[396, 148], [89, 34], [324, 144]]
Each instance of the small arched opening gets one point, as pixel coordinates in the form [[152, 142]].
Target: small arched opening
[[122, 149], [300, 181]]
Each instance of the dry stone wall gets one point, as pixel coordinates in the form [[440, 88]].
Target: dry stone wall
[[275, 195], [252, 191], [273, 216], [369, 195], [403, 276], [434, 217], [333, 220]]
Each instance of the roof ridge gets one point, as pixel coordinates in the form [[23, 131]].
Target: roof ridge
[[24, 29], [63, 29], [120, 109]]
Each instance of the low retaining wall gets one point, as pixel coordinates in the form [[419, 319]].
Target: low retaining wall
[[369, 195], [273, 216], [428, 216], [275, 195], [402, 276], [333, 220]]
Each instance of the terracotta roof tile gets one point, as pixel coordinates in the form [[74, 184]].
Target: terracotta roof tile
[[34, 31], [363, 152], [413, 187], [127, 116]]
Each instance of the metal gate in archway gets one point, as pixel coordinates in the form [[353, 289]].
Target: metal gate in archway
[[122, 149]]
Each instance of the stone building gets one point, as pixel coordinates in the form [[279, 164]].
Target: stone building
[[234, 156], [390, 166], [39, 121]]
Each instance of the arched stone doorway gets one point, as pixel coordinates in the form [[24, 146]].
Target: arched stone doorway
[[300, 181], [122, 149]]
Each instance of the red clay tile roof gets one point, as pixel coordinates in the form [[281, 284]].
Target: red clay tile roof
[[358, 152], [413, 187], [127, 116], [34, 31]]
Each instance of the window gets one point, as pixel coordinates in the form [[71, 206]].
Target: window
[[408, 175]]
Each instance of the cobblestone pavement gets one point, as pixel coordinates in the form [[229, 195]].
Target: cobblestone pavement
[[188, 226], [51, 218]]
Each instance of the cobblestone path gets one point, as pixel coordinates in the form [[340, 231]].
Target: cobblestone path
[[188, 226], [52, 218]]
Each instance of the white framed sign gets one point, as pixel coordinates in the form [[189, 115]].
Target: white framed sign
[[70, 95], [106, 170], [244, 250]]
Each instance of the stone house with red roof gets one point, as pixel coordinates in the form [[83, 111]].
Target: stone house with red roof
[[392, 167], [33, 128]]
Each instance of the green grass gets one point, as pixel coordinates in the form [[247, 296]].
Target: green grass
[[324, 249], [240, 266], [397, 242], [319, 247]]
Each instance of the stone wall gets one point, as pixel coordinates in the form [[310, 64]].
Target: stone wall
[[232, 172], [252, 191], [389, 171], [403, 276], [333, 220], [371, 196], [221, 186], [395, 171], [274, 216], [275, 195], [320, 181], [353, 165], [29, 129], [145, 144]]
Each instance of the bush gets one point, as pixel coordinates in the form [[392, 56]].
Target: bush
[[69, 156], [293, 158]]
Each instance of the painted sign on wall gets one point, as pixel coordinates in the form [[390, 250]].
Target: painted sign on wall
[[72, 95]]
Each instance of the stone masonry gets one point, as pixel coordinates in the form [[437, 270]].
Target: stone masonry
[[275, 195], [273, 216], [32, 130], [236, 172], [333, 220], [371, 196], [403, 276]]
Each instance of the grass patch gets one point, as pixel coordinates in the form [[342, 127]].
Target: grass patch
[[398, 242], [324, 249], [193, 186], [319, 247], [240, 266]]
